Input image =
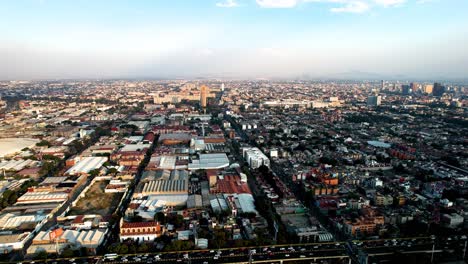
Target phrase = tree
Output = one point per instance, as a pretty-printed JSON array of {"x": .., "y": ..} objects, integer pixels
[
  {"x": 47, "y": 168},
  {"x": 43, "y": 143},
  {"x": 176, "y": 220},
  {"x": 113, "y": 171},
  {"x": 123, "y": 249},
  {"x": 160, "y": 217},
  {"x": 50, "y": 157},
  {"x": 67, "y": 253},
  {"x": 143, "y": 248},
  {"x": 94, "y": 173},
  {"x": 41, "y": 255},
  {"x": 179, "y": 245},
  {"x": 132, "y": 249},
  {"x": 219, "y": 238}
]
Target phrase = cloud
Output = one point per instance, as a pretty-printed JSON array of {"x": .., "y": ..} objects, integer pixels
[
  {"x": 347, "y": 6},
  {"x": 228, "y": 4},
  {"x": 390, "y": 3},
  {"x": 344, "y": 6},
  {"x": 352, "y": 7},
  {"x": 425, "y": 1},
  {"x": 277, "y": 3}
]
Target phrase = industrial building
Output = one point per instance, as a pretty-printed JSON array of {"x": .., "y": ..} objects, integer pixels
[
  {"x": 209, "y": 162},
  {"x": 42, "y": 197},
  {"x": 86, "y": 165}
]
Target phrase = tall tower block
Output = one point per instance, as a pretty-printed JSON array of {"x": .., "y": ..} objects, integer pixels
[{"x": 204, "y": 90}]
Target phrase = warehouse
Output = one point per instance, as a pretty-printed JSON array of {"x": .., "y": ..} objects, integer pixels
[
  {"x": 10, "y": 242},
  {"x": 86, "y": 165},
  {"x": 10, "y": 221},
  {"x": 89, "y": 239},
  {"x": 165, "y": 187},
  {"x": 42, "y": 197},
  {"x": 210, "y": 162},
  {"x": 17, "y": 165}
]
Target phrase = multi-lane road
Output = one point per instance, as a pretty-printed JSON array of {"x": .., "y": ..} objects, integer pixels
[
  {"x": 315, "y": 252},
  {"x": 356, "y": 251}
]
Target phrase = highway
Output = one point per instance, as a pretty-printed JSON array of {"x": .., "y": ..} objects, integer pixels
[
  {"x": 355, "y": 251},
  {"x": 270, "y": 254}
]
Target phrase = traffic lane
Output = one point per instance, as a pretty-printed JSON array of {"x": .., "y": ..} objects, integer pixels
[{"x": 232, "y": 257}]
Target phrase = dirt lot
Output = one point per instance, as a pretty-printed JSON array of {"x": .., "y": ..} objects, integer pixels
[{"x": 97, "y": 201}]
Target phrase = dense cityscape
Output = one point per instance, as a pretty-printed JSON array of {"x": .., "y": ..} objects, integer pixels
[
  {"x": 234, "y": 132},
  {"x": 213, "y": 171}
]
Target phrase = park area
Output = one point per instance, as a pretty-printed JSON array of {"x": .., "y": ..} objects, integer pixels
[{"x": 96, "y": 201}]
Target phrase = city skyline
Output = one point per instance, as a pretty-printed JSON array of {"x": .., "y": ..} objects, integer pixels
[{"x": 371, "y": 39}]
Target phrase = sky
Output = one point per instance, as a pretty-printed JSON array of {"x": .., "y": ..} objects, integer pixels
[{"x": 66, "y": 39}]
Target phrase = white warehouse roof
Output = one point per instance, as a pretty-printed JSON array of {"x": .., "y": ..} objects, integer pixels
[
  {"x": 87, "y": 164},
  {"x": 210, "y": 161}
]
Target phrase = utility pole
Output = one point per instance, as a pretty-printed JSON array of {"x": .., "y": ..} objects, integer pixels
[
  {"x": 464, "y": 249},
  {"x": 432, "y": 254}
]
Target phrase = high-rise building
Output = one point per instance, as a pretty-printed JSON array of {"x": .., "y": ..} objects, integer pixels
[
  {"x": 382, "y": 85},
  {"x": 428, "y": 88},
  {"x": 204, "y": 90},
  {"x": 222, "y": 87},
  {"x": 438, "y": 89},
  {"x": 374, "y": 100},
  {"x": 405, "y": 89},
  {"x": 414, "y": 87}
]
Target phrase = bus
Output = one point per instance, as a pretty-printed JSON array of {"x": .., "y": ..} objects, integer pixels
[{"x": 111, "y": 256}]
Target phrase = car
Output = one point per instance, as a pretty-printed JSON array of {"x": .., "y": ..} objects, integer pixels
[
  {"x": 302, "y": 256},
  {"x": 216, "y": 257},
  {"x": 287, "y": 255}
]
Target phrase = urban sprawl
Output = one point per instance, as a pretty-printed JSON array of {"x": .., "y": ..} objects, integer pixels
[{"x": 213, "y": 171}]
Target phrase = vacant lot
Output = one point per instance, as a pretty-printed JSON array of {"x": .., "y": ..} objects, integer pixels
[{"x": 97, "y": 201}]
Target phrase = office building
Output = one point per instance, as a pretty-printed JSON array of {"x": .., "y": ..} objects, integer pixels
[
  {"x": 204, "y": 90},
  {"x": 414, "y": 87},
  {"x": 405, "y": 89},
  {"x": 438, "y": 89},
  {"x": 428, "y": 88},
  {"x": 374, "y": 100},
  {"x": 255, "y": 157}
]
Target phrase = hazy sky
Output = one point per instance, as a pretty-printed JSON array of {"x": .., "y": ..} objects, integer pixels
[{"x": 42, "y": 39}]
